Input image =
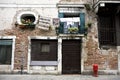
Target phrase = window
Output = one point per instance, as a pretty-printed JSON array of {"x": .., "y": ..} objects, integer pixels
[
  {"x": 5, "y": 51},
  {"x": 43, "y": 50},
  {"x": 75, "y": 19},
  {"x": 70, "y": 23},
  {"x": 45, "y": 47},
  {"x": 107, "y": 31},
  {"x": 27, "y": 17}
]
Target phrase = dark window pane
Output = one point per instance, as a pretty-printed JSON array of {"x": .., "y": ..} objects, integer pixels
[
  {"x": 5, "y": 51},
  {"x": 107, "y": 30},
  {"x": 43, "y": 50}
]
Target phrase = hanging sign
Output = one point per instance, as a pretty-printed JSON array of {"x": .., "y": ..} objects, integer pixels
[{"x": 44, "y": 22}]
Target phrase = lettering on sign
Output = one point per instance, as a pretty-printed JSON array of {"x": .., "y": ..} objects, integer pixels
[{"x": 44, "y": 22}]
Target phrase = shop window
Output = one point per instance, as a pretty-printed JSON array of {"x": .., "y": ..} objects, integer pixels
[{"x": 5, "y": 52}]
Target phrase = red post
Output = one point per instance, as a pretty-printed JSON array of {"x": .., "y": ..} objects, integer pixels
[{"x": 95, "y": 70}]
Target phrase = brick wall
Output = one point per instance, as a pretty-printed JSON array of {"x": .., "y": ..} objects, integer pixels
[
  {"x": 107, "y": 59},
  {"x": 21, "y": 43}
]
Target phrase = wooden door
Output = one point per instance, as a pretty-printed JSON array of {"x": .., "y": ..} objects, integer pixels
[{"x": 71, "y": 57}]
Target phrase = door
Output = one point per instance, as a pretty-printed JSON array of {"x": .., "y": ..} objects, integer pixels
[{"x": 71, "y": 57}]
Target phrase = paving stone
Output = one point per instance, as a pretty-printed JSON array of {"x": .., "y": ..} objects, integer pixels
[{"x": 59, "y": 77}]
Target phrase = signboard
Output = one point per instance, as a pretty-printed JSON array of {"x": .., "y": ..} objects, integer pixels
[
  {"x": 56, "y": 22},
  {"x": 44, "y": 22}
]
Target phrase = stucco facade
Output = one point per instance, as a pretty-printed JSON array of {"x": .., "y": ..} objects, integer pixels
[{"x": 90, "y": 52}]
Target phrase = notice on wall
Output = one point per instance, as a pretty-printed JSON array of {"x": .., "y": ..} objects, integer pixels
[
  {"x": 44, "y": 22},
  {"x": 56, "y": 22}
]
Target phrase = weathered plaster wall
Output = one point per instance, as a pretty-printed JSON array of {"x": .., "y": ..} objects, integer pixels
[
  {"x": 63, "y": 1},
  {"x": 30, "y": 1},
  {"x": 8, "y": 16},
  {"x": 21, "y": 46},
  {"x": 106, "y": 59}
]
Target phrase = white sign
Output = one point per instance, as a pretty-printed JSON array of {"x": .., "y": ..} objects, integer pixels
[{"x": 44, "y": 23}]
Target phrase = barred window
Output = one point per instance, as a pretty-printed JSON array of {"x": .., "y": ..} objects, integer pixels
[{"x": 107, "y": 31}]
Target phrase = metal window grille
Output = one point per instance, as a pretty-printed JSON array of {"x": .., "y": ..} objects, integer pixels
[{"x": 107, "y": 31}]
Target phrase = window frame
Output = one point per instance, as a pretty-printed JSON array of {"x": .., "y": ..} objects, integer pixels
[
  {"x": 42, "y": 63},
  {"x": 5, "y": 44},
  {"x": 11, "y": 66},
  {"x": 105, "y": 39}
]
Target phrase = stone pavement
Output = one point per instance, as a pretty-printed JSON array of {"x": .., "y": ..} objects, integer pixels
[{"x": 58, "y": 77}]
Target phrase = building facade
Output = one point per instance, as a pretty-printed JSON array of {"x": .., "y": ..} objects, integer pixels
[{"x": 59, "y": 36}]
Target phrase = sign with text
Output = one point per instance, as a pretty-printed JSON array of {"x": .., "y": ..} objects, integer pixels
[{"x": 44, "y": 22}]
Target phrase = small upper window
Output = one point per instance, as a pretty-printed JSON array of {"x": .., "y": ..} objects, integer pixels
[{"x": 27, "y": 17}]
